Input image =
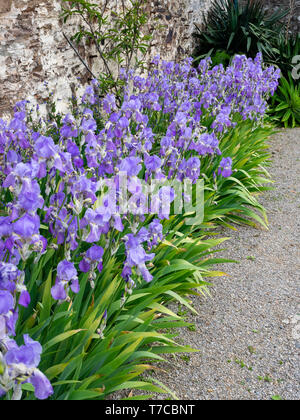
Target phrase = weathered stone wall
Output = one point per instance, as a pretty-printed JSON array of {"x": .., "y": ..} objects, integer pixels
[
  {"x": 33, "y": 50},
  {"x": 177, "y": 18}
]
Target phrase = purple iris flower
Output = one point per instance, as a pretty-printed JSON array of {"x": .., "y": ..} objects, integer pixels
[
  {"x": 24, "y": 299},
  {"x": 136, "y": 254},
  {"x": 89, "y": 96},
  {"x": 5, "y": 226},
  {"x": 30, "y": 198},
  {"x": 225, "y": 168},
  {"x": 72, "y": 148},
  {"x": 28, "y": 357},
  {"x": 45, "y": 147},
  {"x": 58, "y": 291},
  {"x": 109, "y": 103},
  {"x": 88, "y": 124},
  {"x": 42, "y": 385},
  {"x": 153, "y": 163},
  {"x": 123, "y": 123},
  {"x": 155, "y": 232},
  {"x": 93, "y": 256},
  {"x": 11, "y": 321},
  {"x": 6, "y": 302},
  {"x": 66, "y": 274},
  {"x": 66, "y": 271},
  {"x": 131, "y": 165},
  {"x": 27, "y": 225},
  {"x": 28, "y": 354},
  {"x": 145, "y": 273},
  {"x": 193, "y": 168},
  {"x": 9, "y": 274}
]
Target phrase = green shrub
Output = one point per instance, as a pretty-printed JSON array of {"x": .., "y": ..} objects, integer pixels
[
  {"x": 285, "y": 105},
  {"x": 285, "y": 49},
  {"x": 88, "y": 355},
  {"x": 238, "y": 28},
  {"x": 234, "y": 199}
]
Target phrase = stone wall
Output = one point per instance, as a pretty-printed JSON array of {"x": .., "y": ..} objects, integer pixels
[
  {"x": 35, "y": 58},
  {"x": 177, "y": 18}
]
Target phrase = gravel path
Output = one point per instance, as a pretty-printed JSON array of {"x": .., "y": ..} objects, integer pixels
[{"x": 248, "y": 333}]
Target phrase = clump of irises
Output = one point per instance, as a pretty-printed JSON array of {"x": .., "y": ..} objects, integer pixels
[{"x": 61, "y": 183}]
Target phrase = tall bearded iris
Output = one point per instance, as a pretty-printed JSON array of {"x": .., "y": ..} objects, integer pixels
[{"x": 66, "y": 279}]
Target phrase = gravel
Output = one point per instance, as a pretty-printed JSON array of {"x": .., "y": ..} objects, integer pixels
[{"x": 248, "y": 331}]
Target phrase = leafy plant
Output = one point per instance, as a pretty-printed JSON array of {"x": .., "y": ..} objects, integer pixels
[
  {"x": 277, "y": 398},
  {"x": 88, "y": 355},
  {"x": 285, "y": 105},
  {"x": 85, "y": 282},
  {"x": 237, "y": 27},
  {"x": 286, "y": 48},
  {"x": 116, "y": 36}
]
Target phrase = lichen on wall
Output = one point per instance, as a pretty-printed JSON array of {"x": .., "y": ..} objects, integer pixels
[{"x": 36, "y": 60}]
